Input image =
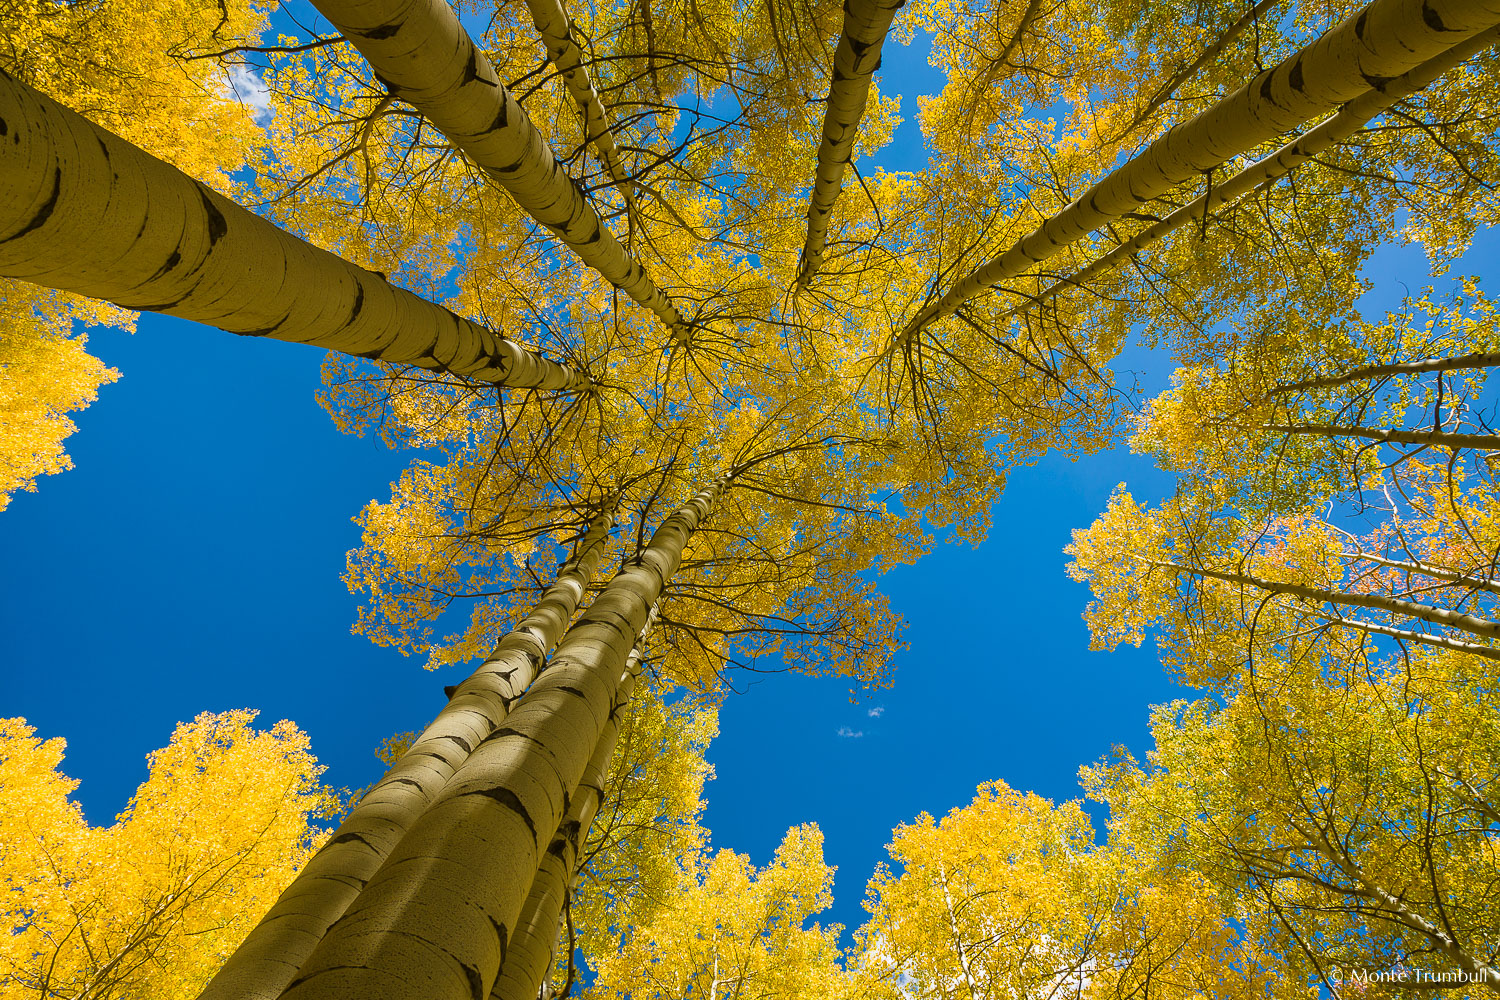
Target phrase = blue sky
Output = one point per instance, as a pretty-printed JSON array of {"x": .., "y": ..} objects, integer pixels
[{"x": 191, "y": 563}]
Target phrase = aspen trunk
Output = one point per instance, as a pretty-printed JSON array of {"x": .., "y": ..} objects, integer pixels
[
  {"x": 435, "y": 920},
  {"x": 1397, "y": 911},
  {"x": 532, "y": 949},
  {"x": 866, "y": 23},
  {"x": 958, "y": 940},
  {"x": 1482, "y": 627},
  {"x": 427, "y": 59},
  {"x": 269, "y": 958},
  {"x": 1350, "y": 119},
  {"x": 85, "y": 211},
  {"x": 556, "y": 28},
  {"x": 1420, "y": 638},
  {"x": 1385, "y": 39},
  {"x": 1440, "y": 439},
  {"x": 1428, "y": 569},
  {"x": 1485, "y": 360}
]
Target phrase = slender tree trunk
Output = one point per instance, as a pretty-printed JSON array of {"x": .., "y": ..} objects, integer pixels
[
  {"x": 427, "y": 59},
  {"x": 1428, "y": 569},
  {"x": 1350, "y": 119},
  {"x": 1440, "y": 439},
  {"x": 1461, "y": 361},
  {"x": 532, "y": 948},
  {"x": 958, "y": 941},
  {"x": 85, "y": 211},
  {"x": 435, "y": 920},
  {"x": 1420, "y": 638},
  {"x": 1395, "y": 909},
  {"x": 866, "y": 23},
  {"x": 556, "y": 28},
  {"x": 1482, "y": 627},
  {"x": 1385, "y": 39},
  {"x": 269, "y": 958}
]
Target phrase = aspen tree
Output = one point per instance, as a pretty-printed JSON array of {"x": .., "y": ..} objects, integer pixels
[
  {"x": 1009, "y": 895},
  {"x": 1349, "y": 119},
  {"x": 555, "y": 27},
  {"x": 1483, "y": 359},
  {"x": 732, "y": 930},
  {"x": 427, "y": 59},
  {"x": 866, "y": 23},
  {"x": 269, "y": 958},
  {"x": 1389, "y": 436},
  {"x": 531, "y": 950},
  {"x": 649, "y": 821},
  {"x": 127, "y": 74},
  {"x": 147, "y": 905},
  {"x": 1303, "y": 409},
  {"x": 1286, "y": 581},
  {"x": 1386, "y": 39},
  {"x": 435, "y": 920},
  {"x": 46, "y": 374},
  {"x": 1344, "y": 801},
  {"x": 85, "y": 211}
]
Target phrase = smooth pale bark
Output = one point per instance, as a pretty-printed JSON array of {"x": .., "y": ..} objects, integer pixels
[
  {"x": 958, "y": 940},
  {"x": 1456, "y": 363},
  {"x": 1428, "y": 569},
  {"x": 533, "y": 945},
  {"x": 426, "y": 58},
  {"x": 556, "y": 28},
  {"x": 866, "y": 23},
  {"x": 1482, "y": 627},
  {"x": 1384, "y": 40},
  {"x": 1396, "y": 910},
  {"x": 1422, "y": 639},
  {"x": 435, "y": 921},
  {"x": 85, "y": 211},
  {"x": 1437, "y": 439},
  {"x": 270, "y": 957},
  {"x": 1350, "y": 119}
]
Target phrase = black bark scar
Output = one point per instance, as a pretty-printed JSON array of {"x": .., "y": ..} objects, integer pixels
[
  {"x": 172, "y": 262},
  {"x": 45, "y": 212},
  {"x": 509, "y": 800},
  {"x": 217, "y": 226},
  {"x": 345, "y": 838}
]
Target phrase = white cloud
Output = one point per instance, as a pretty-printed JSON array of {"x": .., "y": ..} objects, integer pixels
[
  {"x": 249, "y": 89},
  {"x": 850, "y": 734},
  {"x": 876, "y": 712}
]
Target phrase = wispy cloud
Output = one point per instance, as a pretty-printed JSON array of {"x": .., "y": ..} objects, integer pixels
[
  {"x": 876, "y": 712},
  {"x": 850, "y": 734},
  {"x": 251, "y": 91}
]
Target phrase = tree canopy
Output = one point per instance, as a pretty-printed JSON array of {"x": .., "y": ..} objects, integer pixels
[{"x": 681, "y": 365}]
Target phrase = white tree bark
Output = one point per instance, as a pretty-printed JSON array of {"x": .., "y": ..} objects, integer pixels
[
  {"x": 1384, "y": 40},
  {"x": 436, "y": 919},
  {"x": 269, "y": 958},
  {"x": 427, "y": 59},
  {"x": 85, "y": 211},
  {"x": 866, "y": 23},
  {"x": 555, "y": 27},
  {"x": 532, "y": 948},
  {"x": 1350, "y": 119}
]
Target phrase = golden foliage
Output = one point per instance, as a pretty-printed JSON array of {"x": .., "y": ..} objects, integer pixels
[{"x": 150, "y": 905}]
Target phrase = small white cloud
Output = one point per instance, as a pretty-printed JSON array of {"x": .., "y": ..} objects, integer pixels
[
  {"x": 250, "y": 90},
  {"x": 850, "y": 734},
  {"x": 876, "y": 712}
]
